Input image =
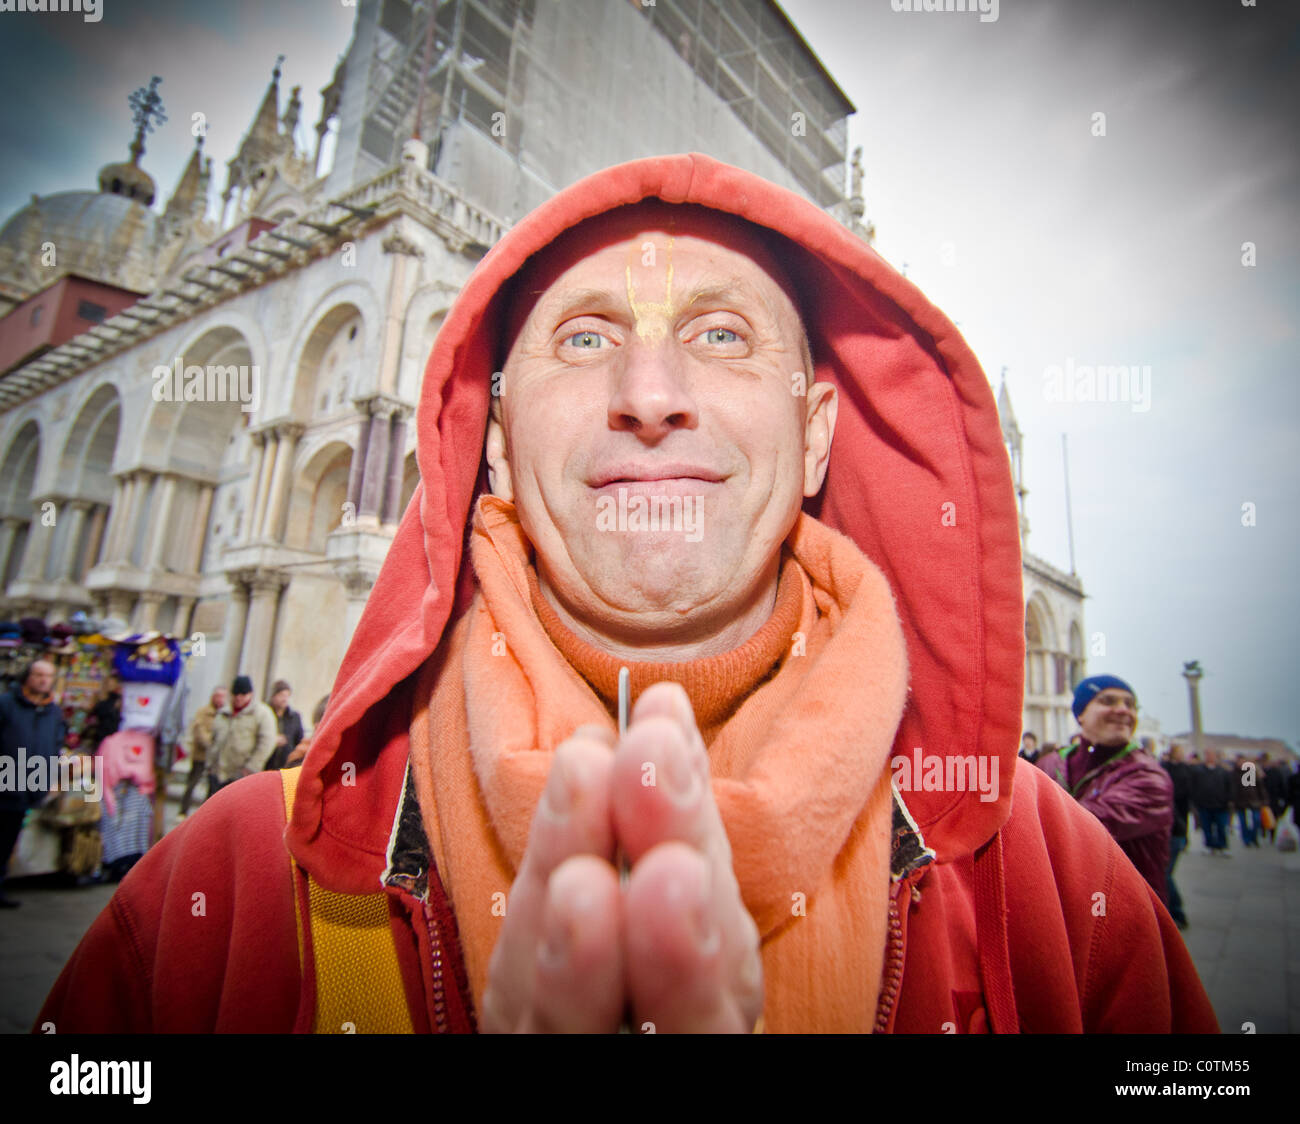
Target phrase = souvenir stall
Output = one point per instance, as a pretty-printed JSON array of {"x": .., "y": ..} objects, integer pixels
[{"x": 114, "y": 824}]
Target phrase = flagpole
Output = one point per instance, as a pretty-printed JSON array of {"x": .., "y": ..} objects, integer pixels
[{"x": 1069, "y": 519}]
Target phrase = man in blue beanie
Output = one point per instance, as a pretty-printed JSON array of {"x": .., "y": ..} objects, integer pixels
[{"x": 1117, "y": 780}]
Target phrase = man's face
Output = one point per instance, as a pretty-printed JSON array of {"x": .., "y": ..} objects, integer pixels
[
  {"x": 664, "y": 372},
  {"x": 1110, "y": 718},
  {"x": 219, "y": 697},
  {"x": 280, "y": 700},
  {"x": 243, "y": 700},
  {"x": 40, "y": 679},
  {"x": 1029, "y": 743}
]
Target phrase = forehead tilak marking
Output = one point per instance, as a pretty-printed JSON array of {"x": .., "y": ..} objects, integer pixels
[{"x": 651, "y": 319}]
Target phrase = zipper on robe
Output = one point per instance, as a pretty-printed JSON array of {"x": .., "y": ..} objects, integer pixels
[
  {"x": 435, "y": 950},
  {"x": 892, "y": 977}
]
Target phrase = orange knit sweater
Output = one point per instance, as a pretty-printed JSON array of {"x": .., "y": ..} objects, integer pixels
[{"x": 798, "y": 758}]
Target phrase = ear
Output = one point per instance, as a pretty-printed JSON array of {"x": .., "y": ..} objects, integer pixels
[
  {"x": 494, "y": 449},
  {"x": 823, "y": 408}
]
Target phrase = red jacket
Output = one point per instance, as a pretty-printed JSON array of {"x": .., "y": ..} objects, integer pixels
[{"x": 1005, "y": 914}]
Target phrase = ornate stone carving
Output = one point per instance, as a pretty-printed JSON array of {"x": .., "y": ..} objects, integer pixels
[{"x": 397, "y": 242}]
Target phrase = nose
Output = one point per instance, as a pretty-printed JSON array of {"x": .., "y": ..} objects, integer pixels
[{"x": 650, "y": 397}]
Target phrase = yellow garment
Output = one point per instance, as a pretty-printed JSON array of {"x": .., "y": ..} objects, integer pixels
[{"x": 358, "y": 978}]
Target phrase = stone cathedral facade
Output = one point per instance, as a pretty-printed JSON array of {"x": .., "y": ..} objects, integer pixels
[
  {"x": 1055, "y": 651},
  {"x": 206, "y": 404}
]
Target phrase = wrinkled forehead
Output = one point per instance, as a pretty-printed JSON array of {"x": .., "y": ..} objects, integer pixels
[{"x": 614, "y": 228}]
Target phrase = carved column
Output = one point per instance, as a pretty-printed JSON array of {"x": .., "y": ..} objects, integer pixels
[
  {"x": 159, "y": 523},
  {"x": 39, "y": 540},
  {"x": 406, "y": 257},
  {"x": 255, "y": 481},
  {"x": 358, "y": 581},
  {"x": 124, "y": 527},
  {"x": 262, "y": 495},
  {"x": 357, "y": 469},
  {"x": 94, "y": 539},
  {"x": 286, "y": 436},
  {"x": 116, "y": 517},
  {"x": 140, "y": 504},
  {"x": 118, "y": 604},
  {"x": 202, "y": 513},
  {"x": 391, "y": 511},
  {"x": 146, "y": 611},
  {"x": 9, "y": 527},
  {"x": 69, "y": 561},
  {"x": 264, "y": 596},
  {"x": 184, "y": 609},
  {"x": 376, "y": 468},
  {"x": 235, "y": 621}
]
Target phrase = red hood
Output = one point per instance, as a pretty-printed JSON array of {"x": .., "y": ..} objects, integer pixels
[{"x": 919, "y": 479}]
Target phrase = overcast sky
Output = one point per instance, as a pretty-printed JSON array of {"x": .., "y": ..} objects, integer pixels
[
  {"x": 1067, "y": 247},
  {"x": 1051, "y": 247}
]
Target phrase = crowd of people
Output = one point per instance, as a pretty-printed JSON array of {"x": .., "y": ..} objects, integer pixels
[
  {"x": 234, "y": 735},
  {"x": 230, "y": 736},
  {"x": 1119, "y": 780}
]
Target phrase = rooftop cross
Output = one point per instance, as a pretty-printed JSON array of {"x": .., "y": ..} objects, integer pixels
[{"x": 145, "y": 104}]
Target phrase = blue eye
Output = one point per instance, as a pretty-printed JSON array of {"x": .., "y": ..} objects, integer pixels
[
  {"x": 586, "y": 341},
  {"x": 713, "y": 334}
]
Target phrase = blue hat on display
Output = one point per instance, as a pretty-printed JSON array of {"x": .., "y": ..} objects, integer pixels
[{"x": 1090, "y": 688}]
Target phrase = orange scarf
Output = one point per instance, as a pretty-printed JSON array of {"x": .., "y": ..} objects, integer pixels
[{"x": 800, "y": 767}]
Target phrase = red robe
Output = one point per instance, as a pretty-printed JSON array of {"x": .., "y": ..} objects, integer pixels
[{"x": 1006, "y": 913}]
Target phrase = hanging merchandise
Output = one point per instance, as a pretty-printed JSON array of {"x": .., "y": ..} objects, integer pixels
[
  {"x": 149, "y": 658},
  {"x": 126, "y": 824},
  {"x": 147, "y": 666},
  {"x": 127, "y": 756},
  {"x": 143, "y": 705}
]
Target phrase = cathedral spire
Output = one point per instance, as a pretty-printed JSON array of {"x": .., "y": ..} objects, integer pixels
[
  {"x": 189, "y": 200},
  {"x": 264, "y": 143},
  {"x": 266, "y": 130},
  {"x": 330, "y": 96},
  {"x": 1015, "y": 447},
  {"x": 289, "y": 122}
]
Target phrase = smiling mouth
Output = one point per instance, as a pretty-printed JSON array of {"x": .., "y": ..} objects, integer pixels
[
  {"x": 668, "y": 475},
  {"x": 667, "y": 486}
]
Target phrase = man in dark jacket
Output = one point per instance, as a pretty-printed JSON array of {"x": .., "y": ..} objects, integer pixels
[
  {"x": 31, "y": 726},
  {"x": 1275, "y": 776},
  {"x": 1117, "y": 780},
  {"x": 1247, "y": 795},
  {"x": 1180, "y": 776},
  {"x": 106, "y": 714},
  {"x": 1211, "y": 793},
  {"x": 288, "y": 723}
]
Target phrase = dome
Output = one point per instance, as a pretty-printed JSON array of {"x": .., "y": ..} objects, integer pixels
[
  {"x": 128, "y": 179},
  {"x": 106, "y": 237}
]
